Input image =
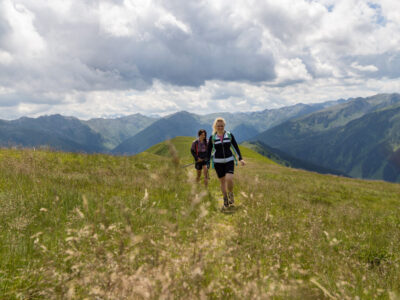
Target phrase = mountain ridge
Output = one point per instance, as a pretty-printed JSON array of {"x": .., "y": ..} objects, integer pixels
[
  {"x": 350, "y": 147},
  {"x": 55, "y": 131},
  {"x": 178, "y": 124},
  {"x": 290, "y": 129}
]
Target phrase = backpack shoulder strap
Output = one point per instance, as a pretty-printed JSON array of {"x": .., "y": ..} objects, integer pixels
[
  {"x": 235, "y": 155},
  {"x": 213, "y": 138},
  {"x": 229, "y": 135}
]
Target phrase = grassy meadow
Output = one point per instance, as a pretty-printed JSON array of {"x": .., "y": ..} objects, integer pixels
[{"x": 78, "y": 226}]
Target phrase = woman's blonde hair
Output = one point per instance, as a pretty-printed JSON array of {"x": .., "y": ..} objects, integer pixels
[{"x": 219, "y": 119}]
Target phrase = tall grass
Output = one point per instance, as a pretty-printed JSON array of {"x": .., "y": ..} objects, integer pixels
[{"x": 75, "y": 226}]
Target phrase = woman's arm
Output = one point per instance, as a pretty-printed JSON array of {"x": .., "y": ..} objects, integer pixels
[
  {"x": 209, "y": 148},
  {"x": 235, "y": 145},
  {"x": 193, "y": 151}
]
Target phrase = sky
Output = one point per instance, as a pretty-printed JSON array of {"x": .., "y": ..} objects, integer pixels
[{"x": 109, "y": 58}]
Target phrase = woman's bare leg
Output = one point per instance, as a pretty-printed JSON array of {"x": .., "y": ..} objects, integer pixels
[
  {"x": 229, "y": 182},
  {"x": 198, "y": 176},
  {"x": 205, "y": 171},
  {"x": 223, "y": 186}
]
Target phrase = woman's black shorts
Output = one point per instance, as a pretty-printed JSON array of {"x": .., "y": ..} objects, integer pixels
[
  {"x": 199, "y": 165},
  {"x": 224, "y": 168}
]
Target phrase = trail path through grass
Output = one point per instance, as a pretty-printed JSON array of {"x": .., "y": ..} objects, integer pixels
[{"x": 220, "y": 221}]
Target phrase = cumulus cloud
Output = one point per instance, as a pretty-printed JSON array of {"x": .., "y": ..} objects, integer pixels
[
  {"x": 93, "y": 57},
  {"x": 368, "y": 68}
]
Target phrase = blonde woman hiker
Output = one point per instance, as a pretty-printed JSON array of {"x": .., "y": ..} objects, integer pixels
[
  {"x": 199, "y": 151},
  {"x": 223, "y": 152}
]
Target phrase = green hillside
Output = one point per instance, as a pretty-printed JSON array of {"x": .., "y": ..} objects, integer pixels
[
  {"x": 287, "y": 160},
  {"x": 76, "y": 226},
  {"x": 182, "y": 146},
  {"x": 359, "y": 138}
]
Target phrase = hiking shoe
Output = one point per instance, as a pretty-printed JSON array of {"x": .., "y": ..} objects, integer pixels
[
  {"x": 226, "y": 202},
  {"x": 231, "y": 198}
]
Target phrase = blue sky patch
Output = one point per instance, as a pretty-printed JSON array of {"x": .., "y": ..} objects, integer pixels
[{"x": 379, "y": 18}]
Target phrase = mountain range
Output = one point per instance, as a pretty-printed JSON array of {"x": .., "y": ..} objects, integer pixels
[
  {"x": 178, "y": 124},
  {"x": 287, "y": 160},
  {"x": 134, "y": 133},
  {"x": 55, "y": 131},
  {"x": 360, "y": 137},
  {"x": 357, "y": 137},
  {"x": 115, "y": 131}
]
